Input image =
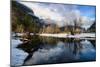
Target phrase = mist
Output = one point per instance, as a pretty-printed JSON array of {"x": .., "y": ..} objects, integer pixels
[{"x": 61, "y": 14}]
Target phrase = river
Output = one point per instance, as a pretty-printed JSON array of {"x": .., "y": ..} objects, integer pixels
[{"x": 51, "y": 50}]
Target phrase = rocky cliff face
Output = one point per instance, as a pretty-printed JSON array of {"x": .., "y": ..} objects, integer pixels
[
  {"x": 92, "y": 28},
  {"x": 23, "y": 18}
]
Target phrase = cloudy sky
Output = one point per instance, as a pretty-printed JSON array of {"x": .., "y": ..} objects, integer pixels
[{"x": 63, "y": 14}]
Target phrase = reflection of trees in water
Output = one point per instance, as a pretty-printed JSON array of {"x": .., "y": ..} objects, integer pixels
[
  {"x": 49, "y": 40},
  {"x": 77, "y": 47},
  {"x": 37, "y": 42},
  {"x": 74, "y": 45}
]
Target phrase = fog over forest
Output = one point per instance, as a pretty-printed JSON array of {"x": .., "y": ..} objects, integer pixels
[{"x": 62, "y": 14}]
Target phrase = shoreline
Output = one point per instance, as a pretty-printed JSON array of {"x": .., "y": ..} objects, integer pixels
[{"x": 63, "y": 35}]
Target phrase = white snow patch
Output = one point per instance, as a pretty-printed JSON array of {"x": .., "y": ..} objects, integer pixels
[
  {"x": 64, "y": 35},
  {"x": 17, "y": 56}
]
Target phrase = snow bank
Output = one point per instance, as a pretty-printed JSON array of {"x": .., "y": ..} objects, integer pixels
[
  {"x": 53, "y": 35},
  {"x": 20, "y": 34},
  {"x": 63, "y": 35}
]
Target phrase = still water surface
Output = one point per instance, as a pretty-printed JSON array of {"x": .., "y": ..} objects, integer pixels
[{"x": 49, "y": 50}]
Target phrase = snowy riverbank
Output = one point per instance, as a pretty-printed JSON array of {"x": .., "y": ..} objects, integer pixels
[{"x": 62, "y": 35}]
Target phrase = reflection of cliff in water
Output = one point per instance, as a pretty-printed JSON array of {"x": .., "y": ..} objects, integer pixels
[
  {"x": 43, "y": 50},
  {"x": 93, "y": 43}
]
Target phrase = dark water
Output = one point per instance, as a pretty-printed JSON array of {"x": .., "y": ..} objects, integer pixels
[{"x": 49, "y": 50}]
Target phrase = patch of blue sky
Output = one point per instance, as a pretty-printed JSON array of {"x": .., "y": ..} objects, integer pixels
[{"x": 88, "y": 11}]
